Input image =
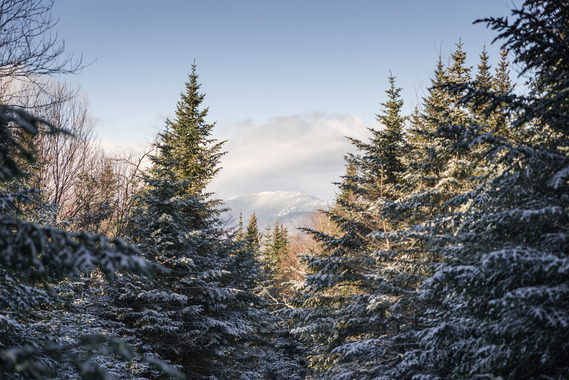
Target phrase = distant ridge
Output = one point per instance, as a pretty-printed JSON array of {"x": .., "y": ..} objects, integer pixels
[{"x": 291, "y": 208}]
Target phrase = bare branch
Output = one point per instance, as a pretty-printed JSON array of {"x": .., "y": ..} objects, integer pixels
[{"x": 28, "y": 50}]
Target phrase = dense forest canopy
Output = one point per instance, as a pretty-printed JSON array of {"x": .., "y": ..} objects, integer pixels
[{"x": 445, "y": 254}]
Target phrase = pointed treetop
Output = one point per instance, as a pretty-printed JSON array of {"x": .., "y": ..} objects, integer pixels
[
  {"x": 484, "y": 78},
  {"x": 391, "y": 114},
  {"x": 186, "y": 146},
  {"x": 458, "y": 71},
  {"x": 252, "y": 235},
  {"x": 440, "y": 75},
  {"x": 502, "y": 82}
]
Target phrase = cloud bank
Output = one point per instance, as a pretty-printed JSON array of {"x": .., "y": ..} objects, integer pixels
[{"x": 289, "y": 153}]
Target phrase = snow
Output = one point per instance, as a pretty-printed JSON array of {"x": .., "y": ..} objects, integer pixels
[{"x": 288, "y": 207}]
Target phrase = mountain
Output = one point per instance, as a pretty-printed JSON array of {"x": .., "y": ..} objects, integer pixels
[{"x": 292, "y": 208}]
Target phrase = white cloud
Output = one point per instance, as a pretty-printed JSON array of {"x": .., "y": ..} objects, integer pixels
[
  {"x": 120, "y": 148},
  {"x": 288, "y": 153},
  {"x": 131, "y": 151},
  {"x": 291, "y": 153}
]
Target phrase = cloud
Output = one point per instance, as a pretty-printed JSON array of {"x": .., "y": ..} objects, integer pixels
[
  {"x": 120, "y": 148},
  {"x": 290, "y": 153}
]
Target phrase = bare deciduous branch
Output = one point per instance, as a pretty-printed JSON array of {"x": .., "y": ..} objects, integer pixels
[{"x": 28, "y": 51}]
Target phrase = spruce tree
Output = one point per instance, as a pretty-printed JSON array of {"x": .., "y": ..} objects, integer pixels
[
  {"x": 197, "y": 315},
  {"x": 276, "y": 247},
  {"x": 484, "y": 81},
  {"x": 434, "y": 172},
  {"x": 189, "y": 139},
  {"x": 339, "y": 304},
  {"x": 41, "y": 335},
  {"x": 500, "y": 298},
  {"x": 501, "y": 86},
  {"x": 502, "y": 83},
  {"x": 274, "y": 257},
  {"x": 381, "y": 163},
  {"x": 425, "y": 162},
  {"x": 252, "y": 235},
  {"x": 426, "y": 174}
]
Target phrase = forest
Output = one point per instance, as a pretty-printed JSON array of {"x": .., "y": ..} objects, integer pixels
[{"x": 444, "y": 256}]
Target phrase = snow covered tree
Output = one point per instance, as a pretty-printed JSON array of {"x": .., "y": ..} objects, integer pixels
[
  {"x": 500, "y": 298},
  {"x": 201, "y": 314},
  {"x": 276, "y": 247},
  {"x": 422, "y": 175},
  {"x": 430, "y": 171},
  {"x": 252, "y": 235},
  {"x": 437, "y": 169},
  {"x": 189, "y": 139},
  {"x": 34, "y": 256},
  {"x": 338, "y": 305}
]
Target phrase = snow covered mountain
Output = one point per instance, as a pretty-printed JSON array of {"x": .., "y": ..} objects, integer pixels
[{"x": 292, "y": 208}]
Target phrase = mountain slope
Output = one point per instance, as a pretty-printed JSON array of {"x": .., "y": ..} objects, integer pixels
[{"x": 291, "y": 208}]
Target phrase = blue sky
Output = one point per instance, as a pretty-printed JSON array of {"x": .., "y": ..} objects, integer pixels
[{"x": 284, "y": 80}]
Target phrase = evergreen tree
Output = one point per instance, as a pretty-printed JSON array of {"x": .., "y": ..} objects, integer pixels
[
  {"x": 500, "y": 298},
  {"x": 189, "y": 139},
  {"x": 198, "y": 315},
  {"x": 253, "y": 236},
  {"x": 277, "y": 247},
  {"x": 339, "y": 303},
  {"x": 39, "y": 336},
  {"x": 501, "y": 86},
  {"x": 275, "y": 256},
  {"x": 431, "y": 172},
  {"x": 423, "y": 178},
  {"x": 502, "y": 83},
  {"x": 437, "y": 168},
  {"x": 484, "y": 81},
  {"x": 425, "y": 162},
  {"x": 348, "y": 186},
  {"x": 240, "y": 235}
]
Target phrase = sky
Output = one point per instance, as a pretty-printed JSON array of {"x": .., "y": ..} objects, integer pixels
[{"x": 285, "y": 81}]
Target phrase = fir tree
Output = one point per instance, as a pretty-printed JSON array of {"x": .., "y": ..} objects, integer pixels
[
  {"x": 501, "y": 86},
  {"x": 347, "y": 188},
  {"x": 424, "y": 178},
  {"x": 434, "y": 171},
  {"x": 381, "y": 165},
  {"x": 484, "y": 81},
  {"x": 339, "y": 304},
  {"x": 252, "y": 235},
  {"x": 425, "y": 164},
  {"x": 500, "y": 296},
  {"x": 240, "y": 235},
  {"x": 275, "y": 256},
  {"x": 189, "y": 139},
  {"x": 277, "y": 247},
  {"x": 39, "y": 336},
  {"x": 502, "y": 83},
  {"x": 198, "y": 315}
]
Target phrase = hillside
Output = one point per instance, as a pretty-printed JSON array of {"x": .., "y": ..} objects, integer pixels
[{"x": 290, "y": 208}]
